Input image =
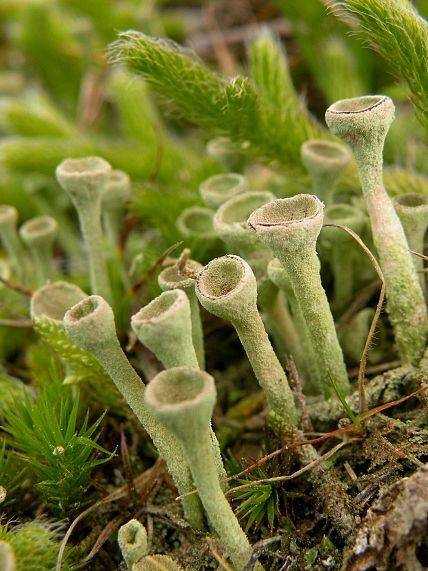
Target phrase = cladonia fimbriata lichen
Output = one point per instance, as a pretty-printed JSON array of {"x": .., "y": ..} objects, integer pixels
[
  {"x": 54, "y": 299},
  {"x": 290, "y": 227},
  {"x": 39, "y": 235},
  {"x": 325, "y": 161},
  {"x": 84, "y": 181},
  {"x": 132, "y": 539},
  {"x": 196, "y": 223},
  {"x": 230, "y": 224},
  {"x": 171, "y": 278},
  {"x": 412, "y": 209},
  {"x": 90, "y": 324},
  {"x": 10, "y": 240},
  {"x": 305, "y": 356},
  {"x": 165, "y": 327},
  {"x": 116, "y": 193},
  {"x": 227, "y": 288},
  {"x": 183, "y": 400},
  {"x": 363, "y": 123},
  {"x": 216, "y": 189},
  {"x": 342, "y": 248}
]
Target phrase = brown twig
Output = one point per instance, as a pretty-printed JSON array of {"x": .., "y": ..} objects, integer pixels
[
  {"x": 296, "y": 474},
  {"x": 156, "y": 264},
  {"x": 16, "y": 323},
  {"x": 16, "y": 287},
  {"x": 363, "y": 360}
]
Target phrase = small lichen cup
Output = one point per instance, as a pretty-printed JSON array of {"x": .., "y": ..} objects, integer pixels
[
  {"x": 325, "y": 161},
  {"x": 218, "y": 188},
  {"x": 132, "y": 539},
  {"x": 10, "y": 240},
  {"x": 164, "y": 326},
  {"x": 183, "y": 400},
  {"x": 84, "y": 180},
  {"x": 412, "y": 209},
  {"x": 230, "y": 224},
  {"x": 290, "y": 228},
  {"x": 39, "y": 235},
  {"x": 170, "y": 278},
  {"x": 116, "y": 194},
  {"x": 363, "y": 123}
]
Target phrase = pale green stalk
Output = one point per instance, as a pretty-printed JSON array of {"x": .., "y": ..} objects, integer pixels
[
  {"x": 84, "y": 181},
  {"x": 325, "y": 161},
  {"x": 183, "y": 400},
  {"x": 412, "y": 209},
  {"x": 170, "y": 278},
  {"x": 343, "y": 249},
  {"x": 227, "y": 288},
  {"x": 10, "y": 240},
  {"x": 363, "y": 123},
  {"x": 306, "y": 361},
  {"x": 39, "y": 235},
  {"x": 90, "y": 324},
  {"x": 290, "y": 227},
  {"x": 218, "y": 188},
  {"x": 117, "y": 192}
]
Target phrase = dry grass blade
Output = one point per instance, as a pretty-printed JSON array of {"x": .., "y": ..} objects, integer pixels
[
  {"x": 221, "y": 561},
  {"x": 363, "y": 360},
  {"x": 296, "y": 474},
  {"x": 152, "y": 269}
]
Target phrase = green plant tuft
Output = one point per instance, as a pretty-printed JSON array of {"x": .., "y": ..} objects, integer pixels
[{"x": 60, "y": 451}]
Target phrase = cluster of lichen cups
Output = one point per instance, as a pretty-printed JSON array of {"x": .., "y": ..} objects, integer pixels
[{"x": 273, "y": 264}]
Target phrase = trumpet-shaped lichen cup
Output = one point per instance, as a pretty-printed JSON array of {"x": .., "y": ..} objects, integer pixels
[
  {"x": 227, "y": 288},
  {"x": 170, "y": 278},
  {"x": 290, "y": 228},
  {"x": 90, "y": 324},
  {"x": 325, "y": 161},
  {"x": 183, "y": 400},
  {"x": 39, "y": 235},
  {"x": 165, "y": 327},
  {"x": 218, "y": 188},
  {"x": 412, "y": 209},
  {"x": 10, "y": 240},
  {"x": 116, "y": 194},
  {"x": 84, "y": 180},
  {"x": 230, "y": 224},
  {"x": 363, "y": 123}
]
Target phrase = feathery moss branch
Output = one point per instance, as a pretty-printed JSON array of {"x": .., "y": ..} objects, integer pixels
[
  {"x": 244, "y": 111},
  {"x": 284, "y": 121},
  {"x": 400, "y": 35}
]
